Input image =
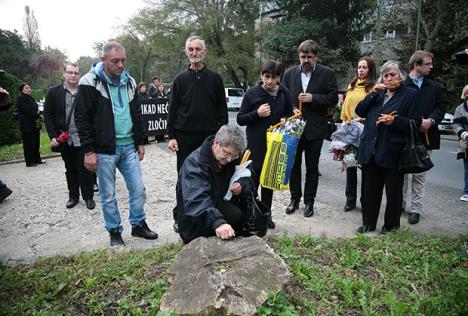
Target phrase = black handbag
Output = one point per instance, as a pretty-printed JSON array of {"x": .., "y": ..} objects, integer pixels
[
  {"x": 255, "y": 216},
  {"x": 414, "y": 157}
]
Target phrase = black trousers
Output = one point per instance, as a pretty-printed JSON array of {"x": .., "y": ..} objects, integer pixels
[
  {"x": 375, "y": 179},
  {"x": 187, "y": 143},
  {"x": 351, "y": 187},
  {"x": 78, "y": 177},
  {"x": 266, "y": 195},
  {"x": 312, "y": 150},
  {"x": 31, "y": 142},
  {"x": 231, "y": 213}
]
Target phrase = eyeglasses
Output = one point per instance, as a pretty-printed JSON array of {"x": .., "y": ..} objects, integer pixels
[
  {"x": 228, "y": 154},
  {"x": 76, "y": 73}
]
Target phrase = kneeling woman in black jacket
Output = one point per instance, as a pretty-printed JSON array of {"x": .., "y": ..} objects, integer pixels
[
  {"x": 382, "y": 141},
  {"x": 263, "y": 106},
  {"x": 204, "y": 179}
]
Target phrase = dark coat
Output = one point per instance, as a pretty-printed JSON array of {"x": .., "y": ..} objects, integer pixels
[
  {"x": 280, "y": 106},
  {"x": 324, "y": 88},
  {"x": 200, "y": 188},
  {"x": 28, "y": 113},
  {"x": 433, "y": 106},
  {"x": 55, "y": 111},
  {"x": 385, "y": 142}
]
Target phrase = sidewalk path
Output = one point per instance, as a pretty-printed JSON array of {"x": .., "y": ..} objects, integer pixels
[{"x": 35, "y": 223}]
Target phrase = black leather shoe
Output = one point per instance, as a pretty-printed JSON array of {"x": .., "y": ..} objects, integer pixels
[
  {"x": 348, "y": 208},
  {"x": 385, "y": 230},
  {"x": 41, "y": 162},
  {"x": 292, "y": 207},
  {"x": 71, "y": 203},
  {"x": 365, "y": 228},
  {"x": 413, "y": 218},
  {"x": 309, "y": 210},
  {"x": 142, "y": 230},
  {"x": 4, "y": 194},
  {"x": 175, "y": 227},
  {"x": 115, "y": 238},
  {"x": 90, "y": 204},
  {"x": 31, "y": 165}
]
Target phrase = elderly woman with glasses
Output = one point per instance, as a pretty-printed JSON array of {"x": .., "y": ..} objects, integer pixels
[
  {"x": 204, "y": 179},
  {"x": 387, "y": 112}
]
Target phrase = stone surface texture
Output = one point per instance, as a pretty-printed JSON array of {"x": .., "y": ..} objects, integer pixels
[{"x": 223, "y": 277}]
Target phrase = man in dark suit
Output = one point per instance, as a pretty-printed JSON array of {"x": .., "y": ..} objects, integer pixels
[
  {"x": 433, "y": 109},
  {"x": 59, "y": 113},
  {"x": 314, "y": 87}
]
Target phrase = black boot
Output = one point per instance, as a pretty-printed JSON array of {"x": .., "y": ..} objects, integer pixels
[
  {"x": 292, "y": 207},
  {"x": 309, "y": 210},
  {"x": 72, "y": 202},
  {"x": 115, "y": 238},
  {"x": 271, "y": 224},
  {"x": 365, "y": 228},
  {"x": 142, "y": 230}
]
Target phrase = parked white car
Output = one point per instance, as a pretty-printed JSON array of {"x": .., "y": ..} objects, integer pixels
[
  {"x": 446, "y": 125},
  {"x": 234, "y": 97}
]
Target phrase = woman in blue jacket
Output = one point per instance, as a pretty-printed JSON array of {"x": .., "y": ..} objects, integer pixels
[
  {"x": 382, "y": 141},
  {"x": 263, "y": 106}
]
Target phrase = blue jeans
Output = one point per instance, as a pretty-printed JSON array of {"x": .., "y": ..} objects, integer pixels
[
  {"x": 465, "y": 162},
  {"x": 126, "y": 160}
]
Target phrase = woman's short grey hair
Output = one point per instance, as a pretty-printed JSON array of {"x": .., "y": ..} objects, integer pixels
[
  {"x": 195, "y": 37},
  {"x": 391, "y": 64},
  {"x": 231, "y": 135}
]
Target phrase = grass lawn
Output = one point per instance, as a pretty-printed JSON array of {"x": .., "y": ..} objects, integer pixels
[
  {"x": 12, "y": 152},
  {"x": 398, "y": 274}
]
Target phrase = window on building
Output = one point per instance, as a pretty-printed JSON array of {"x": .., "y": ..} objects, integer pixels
[
  {"x": 390, "y": 34},
  {"x": 367, "y": 38}
]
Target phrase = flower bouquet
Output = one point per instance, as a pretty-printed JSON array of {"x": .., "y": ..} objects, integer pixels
[{"x": 345, "y": 143}]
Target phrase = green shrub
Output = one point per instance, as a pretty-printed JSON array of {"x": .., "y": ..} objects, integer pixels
[
  {"x": 37, "y": 94},
  {"x": 10, "y": 133}
]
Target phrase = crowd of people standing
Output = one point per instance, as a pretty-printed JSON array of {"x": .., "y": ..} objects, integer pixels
[{"x": 101, "y": 117}]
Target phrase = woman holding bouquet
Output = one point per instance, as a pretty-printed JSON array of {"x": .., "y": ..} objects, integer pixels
[
  {"x": 388, "y": 110},
  {"x": 362, "y": 84},
  {"x": 29, "y": 125},
  {"x": 263, "y": 106}
]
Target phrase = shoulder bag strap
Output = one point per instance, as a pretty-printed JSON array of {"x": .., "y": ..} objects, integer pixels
[
  {"x": 412, "y": 124},
  {"x": 72, "y": 109}
]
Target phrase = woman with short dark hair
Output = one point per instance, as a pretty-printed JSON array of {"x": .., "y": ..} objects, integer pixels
[
  {"x": 263, "y": 106},
  {"x": 28, "y": 123},
  {"x": 142, "y": 91}
]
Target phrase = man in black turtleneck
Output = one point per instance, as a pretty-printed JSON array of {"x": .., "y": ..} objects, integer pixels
[{"x": 198, "y": 105}]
